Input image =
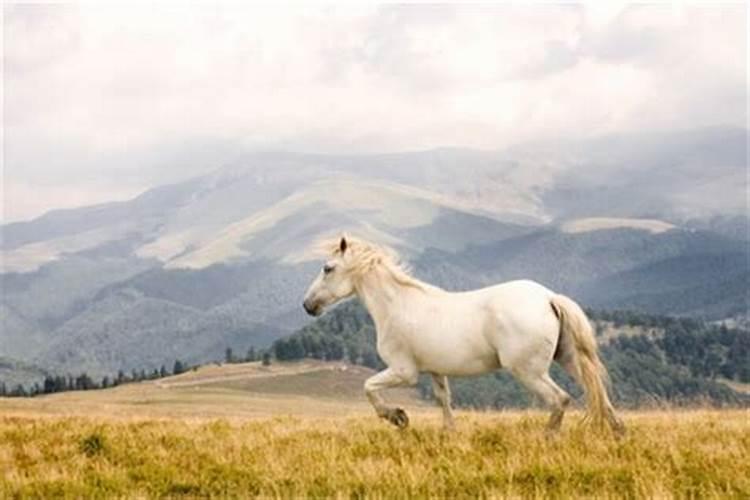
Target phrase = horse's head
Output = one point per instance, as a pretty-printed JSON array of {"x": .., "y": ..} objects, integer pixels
[{"x": 333, "y": 283}]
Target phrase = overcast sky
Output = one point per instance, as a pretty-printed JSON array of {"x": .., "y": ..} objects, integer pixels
[{"x": 102, "y": 102}]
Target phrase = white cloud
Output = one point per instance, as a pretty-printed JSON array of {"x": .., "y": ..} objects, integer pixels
[{"x": 98, "y": 96}]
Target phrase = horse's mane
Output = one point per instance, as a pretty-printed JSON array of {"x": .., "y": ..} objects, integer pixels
[{"x": 364, "y": 256}]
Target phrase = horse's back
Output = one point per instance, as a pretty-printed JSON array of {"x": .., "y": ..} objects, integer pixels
[
  {"x": 514, "y": 294},
  {"x": 525, "y": 286}
]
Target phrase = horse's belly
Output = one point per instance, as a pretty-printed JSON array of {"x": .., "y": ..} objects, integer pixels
[
  {"x": 468, "y": 367},
  {"x": 457, "y": 359}
]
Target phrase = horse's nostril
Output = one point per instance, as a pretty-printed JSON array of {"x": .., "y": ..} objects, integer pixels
[{"x": 308, "y": 309}]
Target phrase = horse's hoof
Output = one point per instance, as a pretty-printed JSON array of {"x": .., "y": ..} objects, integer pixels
[{"x": 399, "y": 418}]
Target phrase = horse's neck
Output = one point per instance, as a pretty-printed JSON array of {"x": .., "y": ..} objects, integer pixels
[{"x": 383, "y": 299}]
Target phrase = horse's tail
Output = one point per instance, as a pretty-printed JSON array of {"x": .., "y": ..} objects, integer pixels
[{"x": 591, "y": 372}]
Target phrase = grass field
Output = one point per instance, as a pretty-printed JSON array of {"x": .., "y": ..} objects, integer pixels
[{"x": 218, "y": 433}]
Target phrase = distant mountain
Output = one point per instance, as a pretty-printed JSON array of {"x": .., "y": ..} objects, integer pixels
[
  {"x": 692, "y": 175},
  {"x": 651, "y": 222},
  {"x": 158, "y": 315},
  {"x": 673, "y": 176},
  {"x": 406, "y": 217},
  {"x": 678, "y": 271}
]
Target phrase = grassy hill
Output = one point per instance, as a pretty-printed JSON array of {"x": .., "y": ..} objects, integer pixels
[
  {"x": 300, "y": 388},
  {"x": 304, "y": 429}
]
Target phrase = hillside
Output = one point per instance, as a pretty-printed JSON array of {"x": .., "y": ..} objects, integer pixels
[
  {"x": 14, "y": 372},
  {"x": 678, "y": 271},
  {"x": 300, "y": 388}
]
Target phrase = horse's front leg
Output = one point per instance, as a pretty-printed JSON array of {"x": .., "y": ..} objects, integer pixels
[
  {"x": 442, "y": 392},
  {"x": 390, "y": 377}
]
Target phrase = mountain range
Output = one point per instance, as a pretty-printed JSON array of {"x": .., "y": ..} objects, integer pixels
[{"x": 651, "y": 222}]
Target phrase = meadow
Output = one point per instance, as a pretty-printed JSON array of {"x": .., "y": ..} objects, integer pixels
[
  {"x": 698, "y": 454},
  {"x": 305, "y": 430}
]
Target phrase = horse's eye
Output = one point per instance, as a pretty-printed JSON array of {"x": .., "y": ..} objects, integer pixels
[{"x": 327, "y": 269}]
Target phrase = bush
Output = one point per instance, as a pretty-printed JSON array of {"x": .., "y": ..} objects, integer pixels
[{"x": 92, "y": 445}]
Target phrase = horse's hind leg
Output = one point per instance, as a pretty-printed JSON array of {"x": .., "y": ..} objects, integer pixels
[
  {"x": 442, "y": 392},
  {"x": 551, "y": 393}
]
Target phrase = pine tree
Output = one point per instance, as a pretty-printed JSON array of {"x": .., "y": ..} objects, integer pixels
[
  {"x": 178, "y": 367},
  {"x": 48, "y": 385},
  {"x": 61, "y": 384},
  {"x": 251, "y": 354},
  {"x": 84, "y": 382}
]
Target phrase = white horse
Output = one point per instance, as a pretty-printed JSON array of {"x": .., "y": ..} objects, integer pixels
[{"x": 518, "y": 325}]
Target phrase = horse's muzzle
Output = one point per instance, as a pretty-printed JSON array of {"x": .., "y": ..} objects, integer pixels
[{"x": 312, "y": 310}]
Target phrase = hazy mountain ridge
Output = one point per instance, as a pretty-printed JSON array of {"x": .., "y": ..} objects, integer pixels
[
  {"x": 162, "y": 314},
  {"x": 641, "y": 175},
  {"x": 224, "y": 257},
  {"x": 566, "y": 260}
]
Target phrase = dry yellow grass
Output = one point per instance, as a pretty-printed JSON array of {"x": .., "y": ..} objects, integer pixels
[
  {"x": 700, "y": 454},
  {"x": 305, "y": 429}
]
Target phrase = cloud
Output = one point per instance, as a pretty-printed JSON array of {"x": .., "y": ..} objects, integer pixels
[{"x": 134, "y": 95}]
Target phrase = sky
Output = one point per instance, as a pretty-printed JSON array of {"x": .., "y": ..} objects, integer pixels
[{"x": 102, "y": 101}]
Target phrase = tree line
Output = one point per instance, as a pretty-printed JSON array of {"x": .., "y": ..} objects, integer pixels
[
  {"x": 347, "y": 333},
  {"x": 83, "y": 382},
  {"x": 252, "y": 354}
]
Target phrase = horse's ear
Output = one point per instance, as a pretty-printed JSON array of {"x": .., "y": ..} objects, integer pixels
[{"x": 343, "y": 244}]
